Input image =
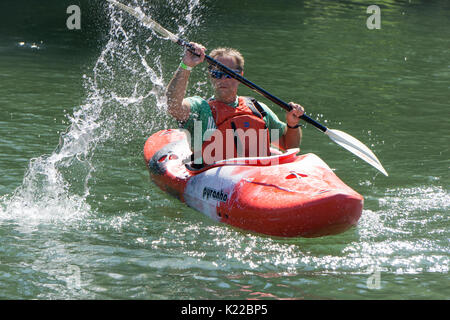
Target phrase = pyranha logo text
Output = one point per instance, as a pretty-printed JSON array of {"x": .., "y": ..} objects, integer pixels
[{"x": 217, "y": 195}]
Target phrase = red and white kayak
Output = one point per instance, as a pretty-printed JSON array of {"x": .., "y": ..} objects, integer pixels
[{"x": 288, "y": 196}]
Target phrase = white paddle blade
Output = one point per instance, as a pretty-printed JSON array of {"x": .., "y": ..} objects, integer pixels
[
  {"x": 148, "y": 22},
  {"x": 356, "y": 147}
]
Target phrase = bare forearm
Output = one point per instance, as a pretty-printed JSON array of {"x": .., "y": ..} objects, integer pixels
[
  {"x": 293, "y": 135},
  {"x": 176, "y": 90},
  {"x": 292, "y": 138}
]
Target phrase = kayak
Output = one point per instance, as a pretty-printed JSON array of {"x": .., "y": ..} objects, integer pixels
[{"x": 283, "y": 195}]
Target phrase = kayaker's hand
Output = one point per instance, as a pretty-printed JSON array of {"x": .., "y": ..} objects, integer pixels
[
  {"x": 293, "y": 116},
  {"x": 190, "y": 59}
]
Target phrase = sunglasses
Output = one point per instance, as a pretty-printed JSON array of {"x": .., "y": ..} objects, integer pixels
[{"x": 220, "y": 74}]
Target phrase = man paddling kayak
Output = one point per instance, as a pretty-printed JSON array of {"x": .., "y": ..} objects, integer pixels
[{"x": 229, "y": 125}]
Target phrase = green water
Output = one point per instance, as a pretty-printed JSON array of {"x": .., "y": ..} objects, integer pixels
[{"x": 79, "y": 218}]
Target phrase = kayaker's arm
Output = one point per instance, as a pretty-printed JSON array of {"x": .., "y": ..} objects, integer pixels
[
  {"x": 293, "y": 135},
  {"x": 291, "y": 138},
  {"x": 177, "y": 106}
]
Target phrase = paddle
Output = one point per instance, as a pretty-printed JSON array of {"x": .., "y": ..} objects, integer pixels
[{"x": 343, "y": 139}]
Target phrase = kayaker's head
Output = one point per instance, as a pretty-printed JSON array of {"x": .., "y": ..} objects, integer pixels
[{"x": 225, "y": 87}]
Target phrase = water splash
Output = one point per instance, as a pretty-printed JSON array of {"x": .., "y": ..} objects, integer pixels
[{"x": 124, "y": 102}]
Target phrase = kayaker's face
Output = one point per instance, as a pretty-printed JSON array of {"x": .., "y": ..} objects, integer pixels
[{"x": 225, "y": 89}]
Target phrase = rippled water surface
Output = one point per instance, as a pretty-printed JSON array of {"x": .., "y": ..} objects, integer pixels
[{"x": 79, "y": 217}]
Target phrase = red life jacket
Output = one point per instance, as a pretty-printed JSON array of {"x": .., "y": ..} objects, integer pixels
[{"x": 241, "y": 131}]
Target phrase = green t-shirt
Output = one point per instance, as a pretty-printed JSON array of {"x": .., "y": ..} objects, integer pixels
[{"x": 201, "y": 111}]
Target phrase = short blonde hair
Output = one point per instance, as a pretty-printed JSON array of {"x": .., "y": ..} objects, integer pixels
[{"x": 219, "y": 52}]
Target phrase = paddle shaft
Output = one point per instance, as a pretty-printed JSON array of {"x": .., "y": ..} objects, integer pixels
[{"x": 251, "y": 85}]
